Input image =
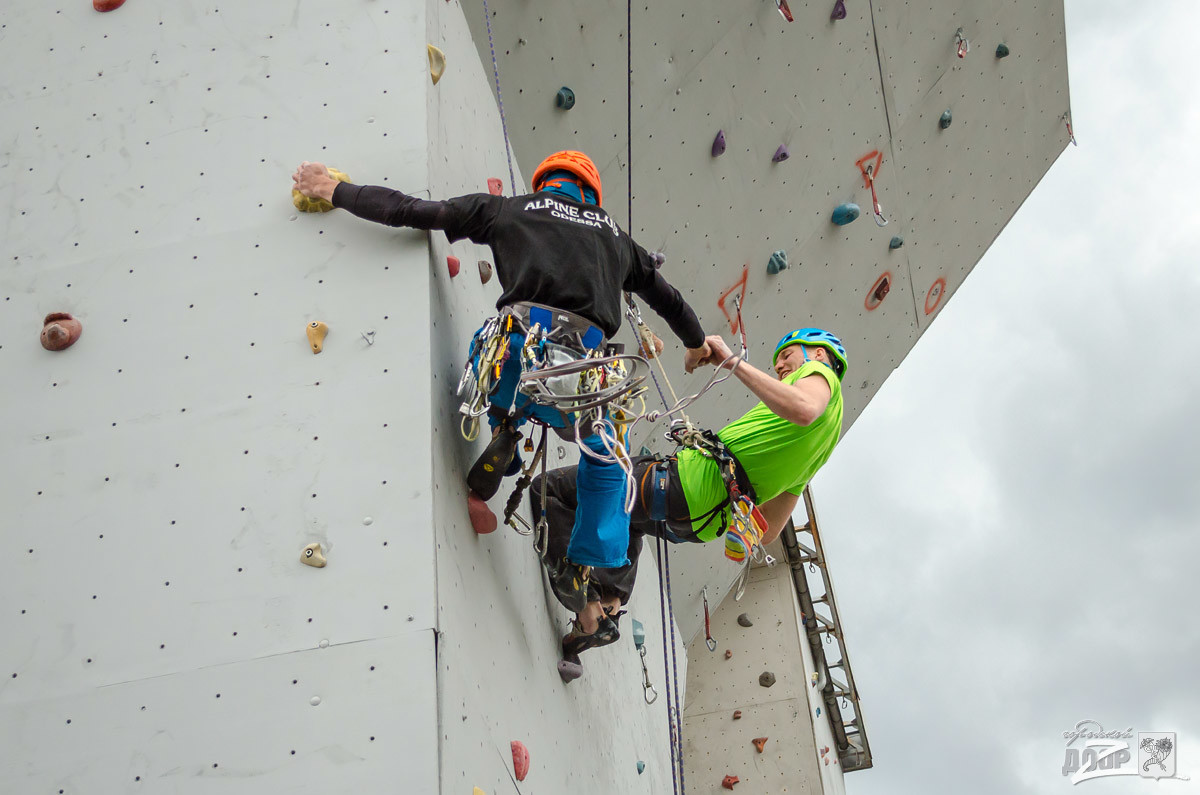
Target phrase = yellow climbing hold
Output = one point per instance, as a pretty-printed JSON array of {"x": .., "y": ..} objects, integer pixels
[
  {"x": 437, "y": 63},
  {"x": 307, "y": 204},
  {"x": 478, "y": 791},
  {"x": 313, "y": 556},
  {"x": 316, "y": 332}
]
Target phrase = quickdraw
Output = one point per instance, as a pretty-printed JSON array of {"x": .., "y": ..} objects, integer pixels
[{"x": 708, "y": 638}]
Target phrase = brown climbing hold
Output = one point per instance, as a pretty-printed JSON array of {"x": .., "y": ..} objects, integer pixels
[
  {"x": 495, "y": 186},
  {"x": 520, "y": 759},
  {"x": 60, "y": 330},
  {"x": 766, "y": 679},
  {"x": 737, "y": 714},
  {"x": 316, "y": 332},
  {"x": 485, "y": 271},
  {"x": 437, "y": 63},
  {"x": 728, "y": 653},
  {"x": 107, "y": 5},
  {"x": 744, "y": 620},
  {"x": 313, "y": 556},
  {"x": 729, "y": 781},
  {"x": 453, "y": 264},
  {"x": 759, "y": 743}
]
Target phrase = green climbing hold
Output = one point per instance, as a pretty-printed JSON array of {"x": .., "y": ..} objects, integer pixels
[
  {"x": 777, "y": 262},
  {"x": 565, "y": 98},
  {"x": 845, "y": 213},
  {"x": 896, "y": 242},
  {"x": 641, "y": 767},
  {"x": 639, "y": 634},
  {"x": 1002, "y": 51},
  {"x": 944, "y": 122}
]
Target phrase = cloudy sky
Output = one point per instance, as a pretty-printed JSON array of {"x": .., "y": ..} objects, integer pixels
[{"x": 1014, "y": 523}]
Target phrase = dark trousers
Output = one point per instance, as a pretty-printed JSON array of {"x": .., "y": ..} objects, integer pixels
[{"x": 560, "y": 515}]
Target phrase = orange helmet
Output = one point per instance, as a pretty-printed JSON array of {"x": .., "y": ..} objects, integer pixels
[{"x": 578, "y": 164}]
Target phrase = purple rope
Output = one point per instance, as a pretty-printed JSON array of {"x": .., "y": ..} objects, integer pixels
[
  {"x": 678, "y": 748},
  {"x": 662, "y": 604},
  {"x": 487, "y": 17}
]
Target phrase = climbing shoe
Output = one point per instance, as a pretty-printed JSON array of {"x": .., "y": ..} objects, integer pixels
[
  {"x": 570, "y": 584},
  {"x": 485, "y": 476},
  {"x": 482, "y": 518},
  {"x": 606, "y": 633}
]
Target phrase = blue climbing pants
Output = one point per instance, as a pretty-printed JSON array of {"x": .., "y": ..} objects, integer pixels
[{"x": 600, "y": 537}]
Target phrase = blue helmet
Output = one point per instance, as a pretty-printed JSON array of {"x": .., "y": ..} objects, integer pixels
[{"x": 817, "y": 338}]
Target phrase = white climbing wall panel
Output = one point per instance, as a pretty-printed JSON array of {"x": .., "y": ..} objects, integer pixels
[{"x": 831, "y": 91}]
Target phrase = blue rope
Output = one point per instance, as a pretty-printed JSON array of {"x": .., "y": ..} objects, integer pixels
[{"x": 487, "y": 17}]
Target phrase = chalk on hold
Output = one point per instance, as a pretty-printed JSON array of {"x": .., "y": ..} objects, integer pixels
[
  {"x": 1001, "y": 50},
  {"x": 313, "y": 556},
  {"x": 737, "y": 714},
  {"x": 766, "y": 679},
  {"x": 744, "y": 620},
  {"x": 777, "y": 262},
  {"x": 729, "y": 781},
  {"x": 896, "y": 242},
  {"x": 718, "y": 146},
  {"x": 307, "y": 204},
  {"x": 485, "y": 271},
  {"x": 107, "y": 5},
  {"x": 565, "y": 98},
  {"x": 845, "y": 212},
  {"x": 495, "y": 186},
  {"x": 60, "y": 330},
  {"x": 520, "y": 759},
  {"x": 781, "y": 154},
  {"x": 570, "y": 669},
  {"x": 437, "y": 63},
  {"x": 759, "y": 743},
  {"x": 316, "y": 332},
  {"x": 641, "y": 766},
  {"x": 945, "y": 119},
  {"x": 839, "y": 10},
  {"x": 453, "y": 265},
  {"x": 728, "y": 654}
]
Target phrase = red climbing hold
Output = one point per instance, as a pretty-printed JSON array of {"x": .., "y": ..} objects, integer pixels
[
  {"x": 759, "y": 743},
  {"x": 520, "y": 759},
  {"x": 107, "y": 5},
  {"x": 737, "y": 714},
  {"x": 729, "y": 781},
  {"x": 495, "y": 186},
  {"x": 482, "y": 518},
  {"x": 728, "y": 653},
  {"x": 784, "y": 11},
  {"x": 453, "y": 264},
  {"x": 60, "y": 330}
]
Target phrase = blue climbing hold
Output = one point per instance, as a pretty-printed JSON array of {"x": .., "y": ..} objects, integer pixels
[
  {"x": 896, "y": 242},
  {"x": 1002, "y": 51},
  {"x": 641, "y": 767},
  {"x": 781, "y": 154},
  {"x": 845, "y": 213},
  {"x": 818, "y": 712},
  {"x": 944, "y": 122},
  {"x": 639, "y": 634},
  {"x": 777, "y": 262},
  {"x": 718, "y": 147},
  {"x": 565, "y": 98}
]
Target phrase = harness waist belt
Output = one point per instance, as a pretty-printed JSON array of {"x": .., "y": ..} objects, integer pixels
[
  {"x": 561, "y": 326},
  {"x": 743, "y": 479}
]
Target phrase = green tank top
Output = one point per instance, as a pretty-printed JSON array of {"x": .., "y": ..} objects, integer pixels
[{"x": 778, "y": 455}]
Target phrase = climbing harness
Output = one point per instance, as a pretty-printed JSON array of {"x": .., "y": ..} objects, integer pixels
[{"x": 708, "y": 638}]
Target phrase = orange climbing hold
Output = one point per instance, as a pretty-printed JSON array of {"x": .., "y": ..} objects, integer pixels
[
  {"x": 759, "y": 743},
  {"x": 737, "y": 714},
  {"x": 107, "y": 5},
  {"x": 60, "y": 330},
  {"x": 495, "y": 186},
  {"x": 520, "y": 759},
  {"x": 729, "y": 781},
  {"x": 453, "y": 264},
  {"x": 316, "y": 332}
]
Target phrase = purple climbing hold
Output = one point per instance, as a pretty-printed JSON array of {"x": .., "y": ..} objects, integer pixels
[
  {"x": 781, "y": 154},
  {"x": 659, "y": 258},
  {"x": 839, "y": 10},
  {"x": 718, "y": 147},
  {"x": 570, "y": 668}
]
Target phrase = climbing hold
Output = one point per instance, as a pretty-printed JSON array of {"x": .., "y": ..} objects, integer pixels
[
  {"x": 520, "y": 759},
  {"x": 485, "y": 271},
  {"x": 839, "y": 10},
  {"x": 818, "y": 712},
  {"x": 60, "y": 330},
  {"x": 437, "y": 63},
  {"x": 316, "y": 332},
  {"x": 307, "y": 204},
  {"x": 729, "y": 781},
  {"x": 478, "y": 791},
  {"x": 945, "y": 120},
  {"x": 777, "y": 262},
  {"x": 896, "y": 242},
  {"x": 718, "y": 147},
  {"x": 570, "y": 669},
  {"x": 481, "y": 516},
  {"x": 495, "y": 186},
  {"x": 645, "y": 451},
  {"x": 107, "y": 5},
  {"x": 639, "y": 634},
  {"x": 845, "y": 213},
  {"x": 781, "y": 154},
  {"x": 766, "y": 679},
  {"x": 1001, "y": 50},
  {"x": 728, "y": 653},
  {"x": 641, "y": 767},
  {"x": 784, "y": 11},
  {"x": 814, "y": 677},
  {"x": 565, "y": 98},
  {"x": 313, "y": 556},
  {"x": 759, "y": 743},
  {"x": 659, "y": 258},
  {"x": 452, "y": 264},
  {"x": 737, "y": 714},
  {"x": 744, "y": 620}
]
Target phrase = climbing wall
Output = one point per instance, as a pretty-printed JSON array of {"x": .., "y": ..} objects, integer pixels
[
  {"x": 166, "y": 471},
  {"x": 831, "y": 92}
]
